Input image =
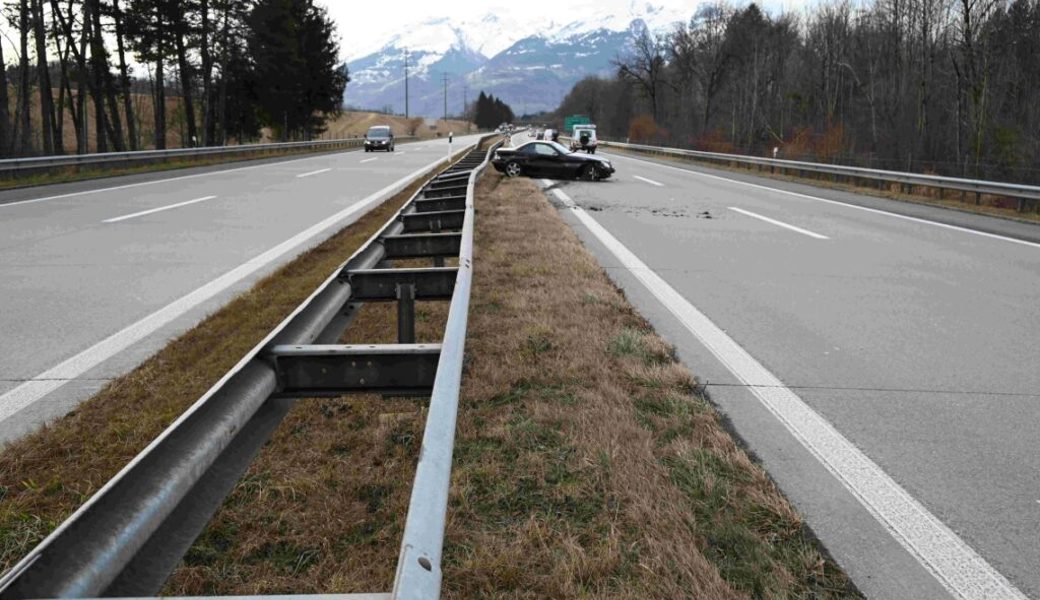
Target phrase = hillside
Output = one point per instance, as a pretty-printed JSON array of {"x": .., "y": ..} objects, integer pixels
[{"x": 356, "y": 123}]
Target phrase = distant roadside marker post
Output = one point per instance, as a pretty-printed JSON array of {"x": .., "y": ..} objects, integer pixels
[{"x": 450, "y": 136}]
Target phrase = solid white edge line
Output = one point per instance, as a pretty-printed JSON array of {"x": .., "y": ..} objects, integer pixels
[
  {"x": 879, "y": 211},
  {"x": 318, "y": 172},
  {"x": 50, "y": 380},
  {"x": 155, "y": 210},
  {"x": 779, "y": 223},
  {"x": 961, "y": 570},
  {"x": 650, "y": 181}
]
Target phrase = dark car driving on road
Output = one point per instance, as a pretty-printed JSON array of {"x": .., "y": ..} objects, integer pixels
[
  {"x": 550, "y": 159},
  {"x": 379, "y": 137}
]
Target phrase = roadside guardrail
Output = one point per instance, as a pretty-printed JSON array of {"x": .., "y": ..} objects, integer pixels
[
  {"x": 15, "y": 166},
  {"x": 1027, "y": 196},
  {"x": 129, "y": 536}
]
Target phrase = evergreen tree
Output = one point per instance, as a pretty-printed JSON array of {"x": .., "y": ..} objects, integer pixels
[{"x": 295, "y": 54}]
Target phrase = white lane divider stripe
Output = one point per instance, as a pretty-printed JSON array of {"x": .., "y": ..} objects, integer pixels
[
  {"x": 650, "y": 181},
  {"x": 960, "y": 569},
  {"x": 779, "y": 223},
  {"x": 878, "y": 211},
  {"x": 50, "y": 380},
  {"x": 157, "y": 181},
  {"x": 369, "y": 160},
  {"x": 318, "y": 172},
  {"x": 155, "y": 210}
]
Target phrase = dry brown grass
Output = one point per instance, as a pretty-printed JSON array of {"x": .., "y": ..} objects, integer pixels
[
  {"x": 356, "y": 123},
  {"x": 585, "y": 464},
  {"x": 45, "y": 476}
]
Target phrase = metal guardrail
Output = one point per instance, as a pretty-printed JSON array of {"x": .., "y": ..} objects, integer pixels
[
  {"x": 16, "y": 165},
  {"x": 1024, "y": 194},
  {"x": 127, "y": 538}
]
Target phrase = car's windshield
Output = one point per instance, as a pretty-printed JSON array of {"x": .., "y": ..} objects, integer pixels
[
  {"x": 560, "y": 147},
  {"x": 379, "y": 132}
]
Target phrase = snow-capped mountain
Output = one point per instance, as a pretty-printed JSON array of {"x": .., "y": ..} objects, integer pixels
[{"x": 528, "y": 62}]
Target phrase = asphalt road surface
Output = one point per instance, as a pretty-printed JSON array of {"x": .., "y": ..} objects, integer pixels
[
  {"x": 98, "y": 275},
  {"x": 882, "y": 365}
]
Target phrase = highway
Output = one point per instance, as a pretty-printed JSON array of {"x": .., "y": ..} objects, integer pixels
[
  {"x": 879, "y": 358},
  {"x": 99, "y": 275}
]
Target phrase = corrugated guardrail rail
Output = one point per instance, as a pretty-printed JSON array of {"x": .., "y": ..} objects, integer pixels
[
  {"x": 127, "y": 538},
  {"x": 16, "y": 166},
  {"x": 1024, "y": 194}
]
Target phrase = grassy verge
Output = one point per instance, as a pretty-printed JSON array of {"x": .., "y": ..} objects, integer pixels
[
  {"x": 994, "y": 206},
  {"x": 586, "y": 465}
]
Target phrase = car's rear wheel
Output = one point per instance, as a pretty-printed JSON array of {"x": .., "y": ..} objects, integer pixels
[
  {"x": 588, "y": 173},
  {"x": 513, "y": 169}
]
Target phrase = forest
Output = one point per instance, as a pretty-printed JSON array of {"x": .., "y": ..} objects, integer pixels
[
  {"x": 937, "y": 86},
  {"x": 118, "y": 75}
]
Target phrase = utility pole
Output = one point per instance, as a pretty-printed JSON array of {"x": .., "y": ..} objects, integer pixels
[
  {"x": 445, "y": 96},
  {"x": 406, "y": 83}
]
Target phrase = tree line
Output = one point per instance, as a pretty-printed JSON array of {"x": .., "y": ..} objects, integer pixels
[
  {"x": 489, "y": 112},
  {"x": 120, "y": 73},
  {"x": 944, "y": 86}
]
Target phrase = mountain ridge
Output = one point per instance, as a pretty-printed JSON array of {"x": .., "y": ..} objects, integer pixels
[{"x": 529, "y": 68}]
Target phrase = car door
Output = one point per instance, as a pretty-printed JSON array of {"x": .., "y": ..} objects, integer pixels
[{"x": 546, "y": 161}]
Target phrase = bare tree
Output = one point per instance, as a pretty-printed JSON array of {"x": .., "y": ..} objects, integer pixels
[
  {"x": 47, "y": 121},
  {"x": 645, "y": 68}
]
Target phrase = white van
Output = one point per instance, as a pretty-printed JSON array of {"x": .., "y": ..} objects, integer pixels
[{"x": 584, "y": 138}]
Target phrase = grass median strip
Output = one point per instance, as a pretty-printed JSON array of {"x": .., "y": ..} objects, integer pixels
[{"x": 586, "y": 464}]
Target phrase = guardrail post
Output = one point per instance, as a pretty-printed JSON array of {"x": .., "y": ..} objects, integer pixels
[
  {"x": 435, "y": 227},
  {"x": 406, "y": 313}
]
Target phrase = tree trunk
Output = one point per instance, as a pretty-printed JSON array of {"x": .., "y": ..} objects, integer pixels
[
  {"x": 81, "y": 89},
  {"x": 25, "y": 123},
  {"x": 208, "y": 124},
  {"x": 124, "y": 79},
  {"x": 4, "y": 116},
  {"x": 108, "y": 90},
  {"x": 225, "y": 54},
  {"x": 94, "y": 78},
  {"x": 43, "y": 80},
  {"x": 64, "y": 90},
  {"x": 186, "y": 77},
  {"x": 160, "y": 82}
]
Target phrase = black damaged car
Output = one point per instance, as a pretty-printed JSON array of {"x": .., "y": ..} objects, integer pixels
[{"x": 552, "y": 160}]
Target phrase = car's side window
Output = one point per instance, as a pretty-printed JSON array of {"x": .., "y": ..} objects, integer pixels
[{"x": 544, "y": 150}]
